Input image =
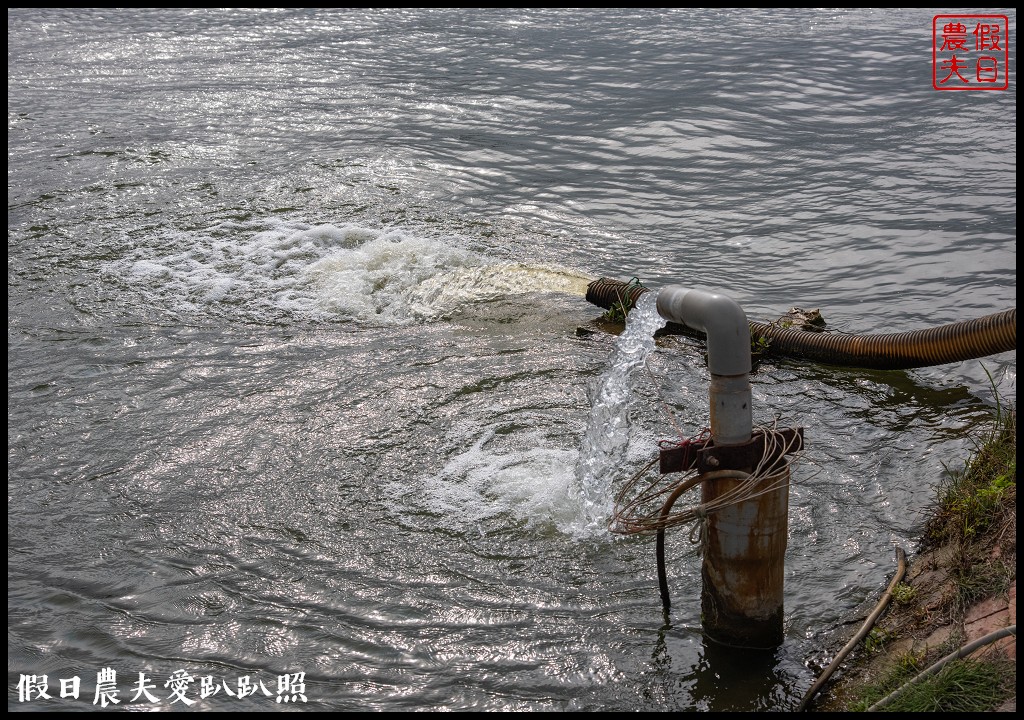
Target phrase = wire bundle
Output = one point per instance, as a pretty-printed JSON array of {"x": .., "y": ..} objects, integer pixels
[{"x": 647, "y": 509}]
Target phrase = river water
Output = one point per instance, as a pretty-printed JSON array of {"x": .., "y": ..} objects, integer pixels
[{"x": 302, "y": 381}]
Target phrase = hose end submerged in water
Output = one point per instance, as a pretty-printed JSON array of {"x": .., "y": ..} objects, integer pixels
[{"x": 606, "y": 293}]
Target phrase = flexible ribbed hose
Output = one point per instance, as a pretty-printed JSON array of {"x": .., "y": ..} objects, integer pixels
[
  {"x": 958, "y": 341},
  {"x": 965, "y": 340}
]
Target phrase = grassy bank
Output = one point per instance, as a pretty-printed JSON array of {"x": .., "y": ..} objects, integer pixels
[{"x": 968, "y": 556}]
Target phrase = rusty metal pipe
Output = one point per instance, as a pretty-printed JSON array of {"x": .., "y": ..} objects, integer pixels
[{"x": 743, "y": 570}]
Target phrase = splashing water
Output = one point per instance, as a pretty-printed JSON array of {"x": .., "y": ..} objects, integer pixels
[{"x": 604, "y": 446}]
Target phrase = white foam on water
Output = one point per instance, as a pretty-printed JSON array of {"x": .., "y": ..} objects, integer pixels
[
  {"x": 488, "y": 480},
  {"x": 273, "y": 270},
  {"x": 539, "y": 485},
  {"x": 461, "y": 286}
]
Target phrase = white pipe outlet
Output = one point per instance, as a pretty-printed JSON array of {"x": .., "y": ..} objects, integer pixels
[
  {"x": 719, "y": 317},
  {"x": 728, "y": 338}
]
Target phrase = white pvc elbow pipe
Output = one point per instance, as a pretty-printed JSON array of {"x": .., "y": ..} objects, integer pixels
[
  {"x": 728, "y": 338},
  {"x": 719, "y": 317}
]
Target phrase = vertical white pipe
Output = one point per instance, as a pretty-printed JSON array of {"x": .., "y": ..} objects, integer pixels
[
  {"x": 728, "y": 338},
  {"x": 742, "y": 570}
]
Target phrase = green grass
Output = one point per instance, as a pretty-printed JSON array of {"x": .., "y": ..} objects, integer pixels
[
  {"x": 976, "y": 515},
  {"x": 961, "y": 686},
  {"x": 904, "y": 594}
]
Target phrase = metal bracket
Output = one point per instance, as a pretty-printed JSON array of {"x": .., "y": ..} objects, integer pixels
[{"x": 705, "y": 456}]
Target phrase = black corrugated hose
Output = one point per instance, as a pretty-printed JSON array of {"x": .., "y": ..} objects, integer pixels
[{"x": 958, "y": 341}]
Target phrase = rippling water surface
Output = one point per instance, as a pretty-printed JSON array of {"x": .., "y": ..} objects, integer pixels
[{"x": 301, "y": 378}]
